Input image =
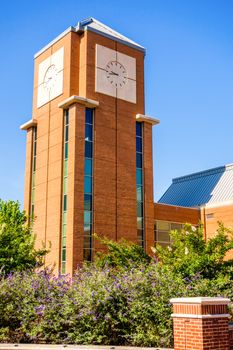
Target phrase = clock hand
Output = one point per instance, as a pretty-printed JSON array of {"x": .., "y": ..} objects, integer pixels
[{"x": 113, "y": 73}]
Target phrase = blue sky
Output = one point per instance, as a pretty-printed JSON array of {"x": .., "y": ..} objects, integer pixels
[{"x": 188, "y": 72}]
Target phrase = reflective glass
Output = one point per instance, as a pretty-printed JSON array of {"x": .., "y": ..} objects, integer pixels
[
  {"x": 33, "y": 196},
  {"x": 64, "y": 217},
  {"x": 66, "y": 116},
  {"x": 139, "y": 129},
  {"x": 63, "y": 258},
  {"x": 87, "y": 217},
  {"x": 139, "y": 144},
  {"x": 139, "y": 176},
  {"x": 65, "y": 202},
  {"x": 64, "y": 230},
  {"x": 87, "y": 242},
  {"x": 35, "y": 145},
  {"x": 87, "y": 254},
  {"x": 140, "y": 209},
  {"x": 89, "y": 116},
  {"x": 88, "y": 132},
  {"x": 88, "y": 149},
  {"x": 140, "y": 223},
  {"x": 66, "y": 167},
  {"x": 139, "y": 193},
  {"x": 87, "y": 229},
  {"x": 87, "y": 184},
  {"x": 63, "y": 242},
  {"x": 139, "y": 160},
  {"x": 88, "y": 167},
  {"x": 66, "y": 150},
  {"x": 66, "y": 133},
  {"x": 34, "y": 163},
  {"x": 87, "y": 201},
  {"x": 65, "y": 185}
]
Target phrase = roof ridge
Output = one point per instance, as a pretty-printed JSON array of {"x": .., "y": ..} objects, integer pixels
[{"x": 203, "y": 173}]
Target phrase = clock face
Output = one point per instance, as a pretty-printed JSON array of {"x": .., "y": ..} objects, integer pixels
[
  {"x": 50, "y": 77},
  {"x": 116, "y": 74}
]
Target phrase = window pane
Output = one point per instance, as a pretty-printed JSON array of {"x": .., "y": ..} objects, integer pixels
[
  {"x": 64, "y": 230},
  {"x": 87, "y": 254},
  {"x": 63, "y": 242},
  {"x": 33, "y": 196},
  {"x": 138, "y": 129},
  {"x": 63, "y": 268},
  {"x": 163, "y": 236},
  {"x": 66, "y": 150},
  {"x": 163, "y": 225},
  {"x": 88, "y": 167},
  {"x": 140, "y": 223},
  {"x": 66, "y": 133},
  {"x": 139, "y": 160},
  {"x": 63, "y": 255},
  {"x": 87, "y": 217},
  {"x": 87, "y": 184},
  {"x": 65, "y": 185},
  {"x": 140, "y": 209},
  {"x": 88, "y": 132},
  {"x": 87, "y": 201},
  {"x": 35, "y": 145},
  {"x": 139, "y": 193},
  {"x": 139, "y": 176},
  {"x": 66, "y": 116},
  {"x": 87, "y": 242},
  {"x": 87, "y": 229},
  {"x": 139, "y": 144},
  {"x": 66, "y": 167},
  {"x": 65, "y": 202},
  {"x": 140, "y": 234},
  {"x": 175, "y": 226},
  {"x": 34, "y": 163},
  {"x": 64, "y": 217},
  {"x": 89, "y": 116},
  {"x": 88, "y": 149}
]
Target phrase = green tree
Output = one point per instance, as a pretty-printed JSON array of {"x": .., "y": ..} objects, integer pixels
[
  {"x": 189, "y": 253},
  {"x": 17, "y": 251}
]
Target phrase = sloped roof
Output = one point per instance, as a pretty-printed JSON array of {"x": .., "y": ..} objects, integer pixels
[
  {"x": 98, "y": 27},
  {"x": 205, "y": 187},
  {"x": 95, "y": 26}
]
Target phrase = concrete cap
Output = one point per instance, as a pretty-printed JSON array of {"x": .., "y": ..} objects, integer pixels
[{"x": 201, "y": 300}]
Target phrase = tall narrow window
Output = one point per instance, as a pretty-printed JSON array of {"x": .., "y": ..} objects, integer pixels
[
  {"x": 88, "y": 185},
  {"x": 139, "y": 183},
  {"x": 33, "y": 179},
  {"x": 65, "y": 191}
]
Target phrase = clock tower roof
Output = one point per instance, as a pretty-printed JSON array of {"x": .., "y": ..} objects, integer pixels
[{"x": 96, "y": 26}]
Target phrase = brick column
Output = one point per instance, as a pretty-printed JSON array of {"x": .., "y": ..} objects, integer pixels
[{"x": 200, "y": 323}]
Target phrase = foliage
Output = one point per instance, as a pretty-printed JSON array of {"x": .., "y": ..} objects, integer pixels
[
  {"x": 190, "y": 254},
  {"x": 121, "y": 254},
  {"x": 17, "y": 250}
]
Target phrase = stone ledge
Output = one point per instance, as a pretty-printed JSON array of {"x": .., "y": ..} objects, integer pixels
[{"x": 71, "y": 347}]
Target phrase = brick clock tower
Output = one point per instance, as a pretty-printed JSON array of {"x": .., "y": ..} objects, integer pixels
[{"x": 89, "y": 145}]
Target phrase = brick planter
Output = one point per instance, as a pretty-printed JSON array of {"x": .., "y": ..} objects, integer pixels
[{"x": 200, "y": 323}]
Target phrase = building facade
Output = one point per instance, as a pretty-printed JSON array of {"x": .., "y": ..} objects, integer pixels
[{"x": 89, "y": 145}]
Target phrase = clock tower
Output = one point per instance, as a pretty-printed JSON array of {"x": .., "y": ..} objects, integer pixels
[{"x": 89, "y": 145}]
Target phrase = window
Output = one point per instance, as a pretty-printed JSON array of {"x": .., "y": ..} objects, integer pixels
[
  {"x": 139, "y": 184},
  {"x": 33, "y": 176},
  {"x": 162, "y": 230}
]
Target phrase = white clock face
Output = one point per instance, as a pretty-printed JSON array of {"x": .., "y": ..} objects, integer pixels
[
  {"x": 50, "y": 77},
  {"x": 116, "y": 74}
]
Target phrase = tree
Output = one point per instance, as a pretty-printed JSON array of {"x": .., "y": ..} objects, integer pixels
[
  {"x": 189, "y": 253},
  {"x": 17, "y": 251}
]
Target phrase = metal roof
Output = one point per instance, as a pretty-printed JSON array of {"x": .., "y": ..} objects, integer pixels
[
  {"x": 205, "y": 187},
  {"x": 98, "y": 27}
]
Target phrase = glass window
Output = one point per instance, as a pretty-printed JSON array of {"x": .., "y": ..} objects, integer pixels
[
  {"x": 139, "y": 176},
  {"x": 66, "y": 167},
  {"x": 87, "y": 202},
  {"x": 88, "y": 132},
  {"x": 63, "y": 242},
  {"x": 139, "y": 144},
  {"x": 138, "y": 129},
  {"x": 140, "y": 223},
  {"x": 140, "y": 209},
  {"x": 33, "y": 195},
  {"x": 65, "y": 185},
  {"x": 140, "y": 235},
  {"x": 87, "y": 217},
  {"x": 87, "y": 229},
  {"x": 163, "y": 225},
  {"x": 66, "y": 150},
  {"x": 63, "y": 267},
  {"x": 139, "y": 160},
  {"x": 65, "y": 202},
  {"x": 66, "y": 133},
  {"x": 87, "y": 184},
  {"x": 63, "y": 255},
  {"x": 87, "y": 242},
  {"x": 34, "y": 164},
  {"x": 66, "y": 116},
  {"x": 88, "y": 149},
  {"x": 175, "y": 226},
  {"x": 89, "y": 116},
  {"x": 64, "y": 229},
  {"x": 64, "y": 217},
  {"x": 87, "y": 254},
  {"x": 88, "y": 167},
  {"x": 163, "y": 236},
  {"x": 139, "y": 193}
]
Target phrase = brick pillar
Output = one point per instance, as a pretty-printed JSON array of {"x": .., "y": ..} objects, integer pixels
[{"x": 200, "y": 323}]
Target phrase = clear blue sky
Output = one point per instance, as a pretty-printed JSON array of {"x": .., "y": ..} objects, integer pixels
[{"x": 188, "y": 66}]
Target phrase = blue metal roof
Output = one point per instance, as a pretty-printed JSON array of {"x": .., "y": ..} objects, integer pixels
[{"x": 209, "y": 186}]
